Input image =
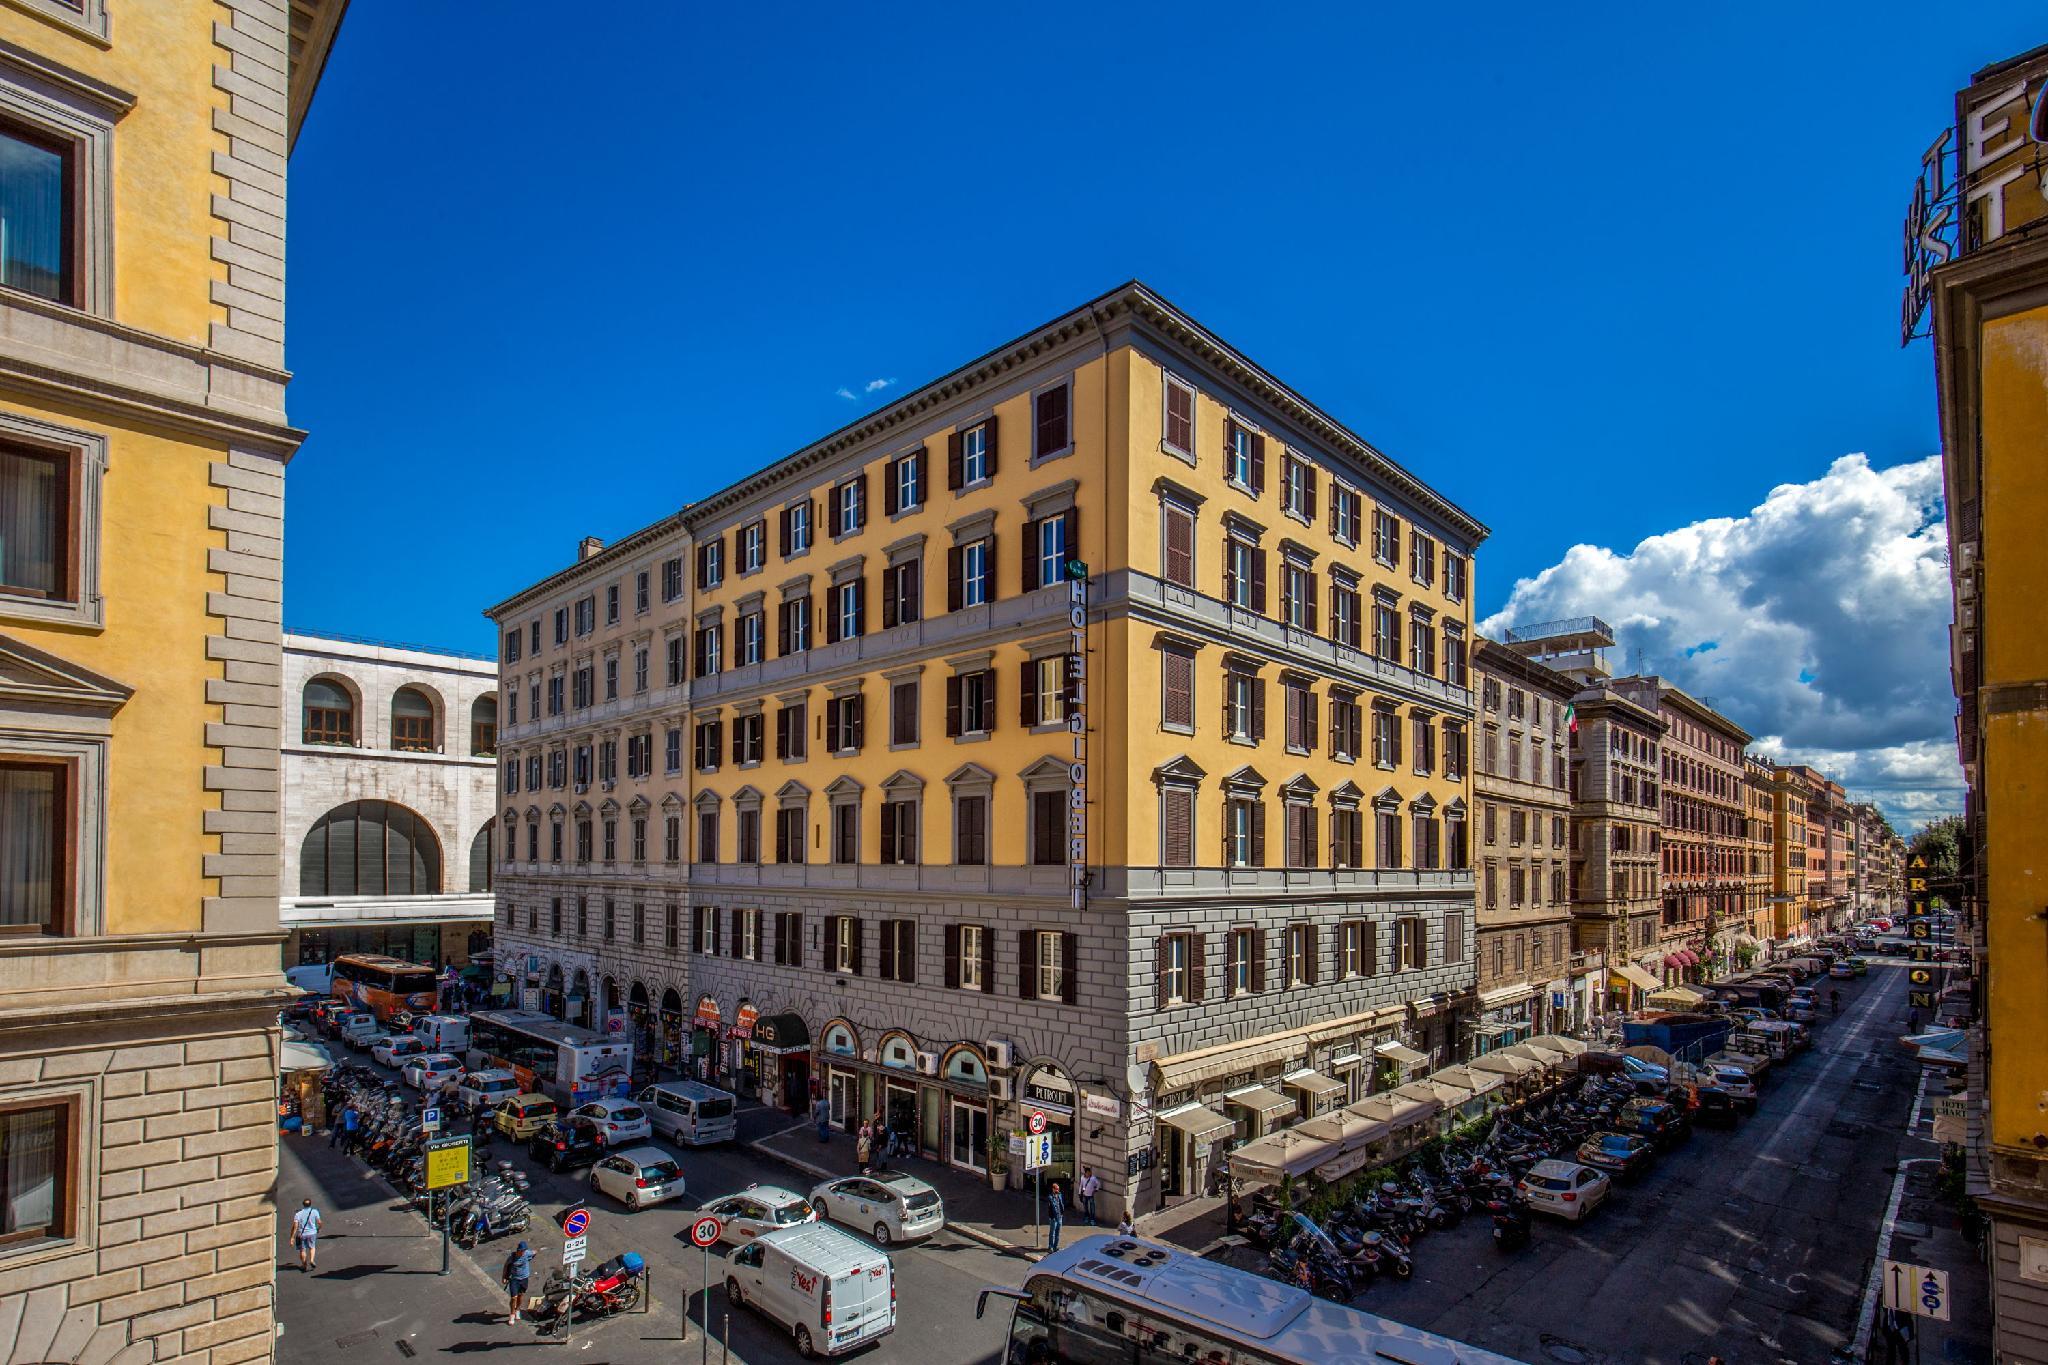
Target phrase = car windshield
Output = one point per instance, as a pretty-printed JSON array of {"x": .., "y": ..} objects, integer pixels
[
  {"x": 713, "y": 1109},
  {"x": 1549, "y": 1182},
  {"x": 660, "y": 1170},
  {"x": 921, "y": 1200},
  {"x": 1615, "y": 1142},
  {"x": 793, "y": 1213},
  {"x": 626, "y": 1113}
]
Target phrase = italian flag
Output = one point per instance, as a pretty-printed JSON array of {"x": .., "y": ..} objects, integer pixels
[{"x": 1571, "y": 717}]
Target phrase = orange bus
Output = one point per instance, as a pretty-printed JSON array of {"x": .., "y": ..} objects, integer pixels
[{"x": 384, "y": 985}]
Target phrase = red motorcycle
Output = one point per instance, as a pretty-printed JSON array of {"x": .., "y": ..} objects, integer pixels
[{"x": 614, "y": 1287}]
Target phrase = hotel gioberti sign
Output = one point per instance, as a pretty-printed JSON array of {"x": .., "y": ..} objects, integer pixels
[{"x": 1981, "y": 181}]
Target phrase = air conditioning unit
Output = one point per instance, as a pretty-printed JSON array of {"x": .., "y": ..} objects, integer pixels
[
  {"x": 999, "y": 1087},
  {"x": 998, "y": 1055},
  {"x": 582, "y": 787},
  {"x": 928, "y": 1063},
  {"x": 870, "y": 1056}
]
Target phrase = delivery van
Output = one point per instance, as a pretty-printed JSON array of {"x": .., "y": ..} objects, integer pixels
[
  {"x": 442, "y": 1032},
  {"x": 693, "y": 1114},
  {"x": 831, "y": 1290}
]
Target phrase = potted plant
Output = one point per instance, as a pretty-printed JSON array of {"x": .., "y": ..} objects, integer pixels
[{"x": 998, "y": 1162}]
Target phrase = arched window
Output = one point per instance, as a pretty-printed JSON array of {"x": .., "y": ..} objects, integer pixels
[
  {"x": 483, "y": 726},
  {"x": 412, "y": 721},
  {"x": 480, "y": 859},
  {"x": 370, "y": 848},
  {"x": 330, "y": 713}
]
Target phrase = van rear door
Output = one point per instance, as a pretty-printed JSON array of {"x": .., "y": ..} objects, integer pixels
[{"x": 860, "y": 1301}]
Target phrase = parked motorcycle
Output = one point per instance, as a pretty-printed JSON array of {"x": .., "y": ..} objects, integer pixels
[{"x": 613, "y": 1287}]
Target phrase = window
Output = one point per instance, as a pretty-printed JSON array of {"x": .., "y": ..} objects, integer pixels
[
  {"x": 903, "y": 712},
  {"x": 639, "y": 594},
  {"x": 1386, "y": 631},
  {"x": 1244, "y": 707},
  {"x": 1244, "y": 456},
  {"x": 1175, "y": 986},
  {"x": 1177, "y": 545},
  {"x": 611, "y": 841},
  {"x": 753, "y": 546},
  {"x": 1177, "y": 827},
  {"x": 1421, "y": 557},
  {"x": 746, "y": 935},
  {"x": 846, "y": 832},
  {"x": 899, "y": 950},
  {"x": 850, "y": 506},
  {"x": 583, "y": 844},
  {"x": 37, "y": 1180},
  {"x": 611, "y": 678},
  {"x": 1355, "y": 947},
  {"x": 1045, "y": 966},
  {"x": 796, "y": 528},
  {"x": 748, "y": 641},
  {"x": 749, "y": 850},
  {"x": 1347, "y": 838},
  {"x": 639, "y": 838},
  {"x": 844, "y": 724},
  {"x": 1454, "y": 576},
  {"x": 1387, "y": 836},
  {"x": 1052, "y": 544},
  {"x": 586, "y": 615},
  {"x": 899, "y": 832},
  {"x": 842, "y": 944},
  {"x": 362, "y": 848},
  {"x": 903, "y": 483},
  {"x": 1298, "y": 487},
  {"x": 1425, "y": 744},
  {"x": 561, "y": 625},
  {"x": 1244, "y": 832},
  {"x": 792, "y": 724},
  {"x": 1244, "y": 574},
  {"x": 1048, "y": 828},
  {"x": 709, "y": 740},
  {"x": 710, "y": 650},
  {"x": 672, "y": 750},
  {"x": 1298, "y": 596},
  {"x": 41, "y": 507},
  {"x": 1049, "y": 423},
  {"x": 671, "y": 579},
  {"x": 711, "y": 563},
  {"x": 789, "y": 834},
  {"x": 39, "y": 194},
  {"x": 707, "y": 836},
  {"x": 1302, "y": 834},
  {"x": 794, "y": 623},
  {"x": 900, "y": 592},
  {"x": 789, "y": 938},
  {"x": 1421, "y": 644},
  {"x": 1300, "y": 717},
  {"x": 330, "y": 713},
  {"x": 970, "y": 956},
  {"x": 1386, "y": 736},
  {"x": 412, "y": 721},
  {"x": 37, "y": 829},
  {"x": 1386, "y": 537},
  {"x": 1046, "y": 684},
  {"x": 1301, "y": 955},
  {"x": 1347, "y": 510},
  {"x": 611, "y": 603},
  {"x": 1177, "y": 690},
  {"x": 1177, "y": 430},
  {"x": 1244, "y": 965},
  {"x": 1346, "y": 720},
  {"x": 640, "y": 670},
  {"x": 1455, "y": 671},
  {"x": 970, "y": 576},
  {"x": 848, "y": 602},
  {"x": 1411, "y": 943},
  {"x": 1454, "y": 750},
  {"x": 748, "y": 733},
  {"x": 703, "y": 929},
  {"x": 970, "y": 830},
  {"x": 1428, "y": 851},
  {"x": 1344, "y": 613},
  {"x": 971, "y": 455},
  {"x": 971, "y": 703}
]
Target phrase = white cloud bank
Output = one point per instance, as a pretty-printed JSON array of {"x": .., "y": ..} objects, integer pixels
[
  {"x": 871, "y": 387},
  {"x": 1818, "y": 622}
]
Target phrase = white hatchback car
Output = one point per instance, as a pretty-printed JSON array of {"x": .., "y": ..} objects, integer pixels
[
  {"x": 1565, "y": 1188},
  {"x": 889, "y": 1204},
  {"x": 394, "y": 1050},
  {"x": 758, "y": 1209},
  {"x": 638, "y": 1176},
  {"x": 621, "y": 1121},
  {"x": 426, "y": 1070}
]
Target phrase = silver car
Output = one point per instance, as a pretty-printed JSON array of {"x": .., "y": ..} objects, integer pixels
[
  {"x": 638, "y": 1176},
  {"x": 890, "y": 1205},
  {"x": 756, "y": 1210}
]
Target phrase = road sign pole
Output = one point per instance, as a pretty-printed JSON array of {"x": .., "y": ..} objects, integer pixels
[
  {"x": 1037, "y": 1198},
  {"x": 704, "y": 1337},
  {"x": 447, "y": 1208}
]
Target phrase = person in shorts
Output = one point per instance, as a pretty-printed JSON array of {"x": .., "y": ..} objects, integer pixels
[
  {"x": 305, "y": 1233},
  {"x": 518, "y": 1271}
]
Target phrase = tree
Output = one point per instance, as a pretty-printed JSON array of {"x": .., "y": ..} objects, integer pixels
[{"x": 1939, "y": 842}]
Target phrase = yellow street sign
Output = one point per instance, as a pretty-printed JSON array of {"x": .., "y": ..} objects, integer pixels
[{"x": 447, "y": 1163}]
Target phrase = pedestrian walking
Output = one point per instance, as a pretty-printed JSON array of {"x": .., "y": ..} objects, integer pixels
[
  {"x": 822, "y": 1112},
  {"x": 1055, "y": 1217},
  {"x": 864, "y": 1146},
  {"x": 305, "y": 1233},
  {"x": 344, "y": 1122},
  {"x": 518, "y": 1271},
  {"x": 1125, "y": 1228},
  {"x": 1090, "y": 1186}
]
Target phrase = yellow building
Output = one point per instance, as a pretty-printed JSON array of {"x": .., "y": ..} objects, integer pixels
[
  {"x": 1791, "y": 852},
  {"x": 1086, "y": 731},
  {"x": 142, "y": 448},
  {"x": 1991, "y": 360}
]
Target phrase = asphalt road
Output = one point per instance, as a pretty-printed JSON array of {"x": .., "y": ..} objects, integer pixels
[{"x": 1751, "y": 1245}]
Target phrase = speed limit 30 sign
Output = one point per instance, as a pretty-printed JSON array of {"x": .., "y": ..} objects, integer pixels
[
  {"x": 704, "y": 1232},
  {"x": 1037, "y": 1121}
]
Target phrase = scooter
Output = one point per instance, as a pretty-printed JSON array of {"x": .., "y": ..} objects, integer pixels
[{"x": 1510, "y": 1222}]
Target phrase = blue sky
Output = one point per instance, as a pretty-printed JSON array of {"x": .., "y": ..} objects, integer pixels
[{"x": 1596, "y": 276}]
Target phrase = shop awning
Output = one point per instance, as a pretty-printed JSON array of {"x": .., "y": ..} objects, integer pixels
[
  {"x": 299, "y": 1055},
  {"x": 1558, "y": 1043},
  {"x": 1279, "y": 1154},
  {"x": 781, "y": 1033},
  {"x": 1506, "y": 1063},
  {"x": 1344, "y": 1061},
  {"x": 1395, "y": 1109},
  {"x": 1692, "y": 959},
  {"x": 1337, "y": 1167},
  {"x": 1439, "y": 1093},
  {"x": 1348, "y": 1130},
  {"x": 1468, "y": 1078},
  {"x": 1675, "y": 998},
  {"x": 1202, "y": 1125},
  {"x": 1400, "y": 1053},
  {"x": 1636, "y": 976},
  {"x": 1312, "y": 1082},
  {"x": 1534, "y": 1051},
  {"x": 1486, "y": 1030},
  {"x": 1508, "y": 995},
  {"x": 1260, "y": 1100}
]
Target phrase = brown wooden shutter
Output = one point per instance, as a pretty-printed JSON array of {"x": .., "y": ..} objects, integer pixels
[
  {"x": 888, "y": 950},
  {"x": 890, "y": 580},
  {"x": 1258, "y": 834},
  {"x": 782, "y": 733},
  {"x": 1258, "y": 709},
  {"x": 1161, "y": 947},
  {"x": 1179, "y": 672},
  {"x": 857, "y": 715},
  {"x": 859, "y": 940},
  {"x": 1027, "y": 966},
  {"x": 1180, "y": 547},
  {"x": 1258, "y": 463},
  {"x": 1258, "y": 960},
  {"x": 891, "y": 472},
  {"x": 955, "y": 591},
  {"x": 1070, "y": 968},
  {"x": 988, "y": 698},
  {"x": 1315, "y": 960},
  {"x": 1180, "y": 818},
  {"x": 1308, "y": 581},
  {"x": 1312, "y": 721},
  {"x": 832, "y": 710},
  {"x": 1027, "y": 709},
  {"x": 1308, "y": 482},
  {"x": 1229, "y": 572},
  {"x": 1070, "y": 537},
  {"x": 1336, "y": 497},
  {"x": 953, "y": 707},
  {"x": 1031, "y": 583},
  {"x": 717, "y": 923},
  {"x": 1286, "y": 593},
  {"x": 906, "y": 947},
  {"x": 955, "y": 462},
  {"x": 860, "y": 499},
  {"x": 988, "y": 961},
  {"x": 735, "y": 915},
  {"x": 1198, "y": 966},
  {"x": 1292, "y": 817},
  {"x": 782, "y": 529},
  {"x": 953, "y": 930},
  {"x": 1308, "y": 838},
  {"x": 1259, "y": 581}
]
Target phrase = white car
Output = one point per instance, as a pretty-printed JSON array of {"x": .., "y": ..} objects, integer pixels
[
  {"x": 758, "y": 1209},
  {"x": 425, "y": 1071},
  {"x": 369, "y": 1042},
  {"x": 1565, "y": 1188},
  {"x": 638, "y": 1176},
  {"x": 394, "y": 1050},
  {"x": 487, "y": 1089},
  {"x": 621, "y": 1121},
  {"x": 888, "y": 1204}
]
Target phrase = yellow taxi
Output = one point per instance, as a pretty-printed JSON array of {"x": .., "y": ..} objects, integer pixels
[{"x": 524, "y": 1115}]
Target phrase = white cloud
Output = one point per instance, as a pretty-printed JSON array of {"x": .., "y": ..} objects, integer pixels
[
  {"x": 873, "y": 386},
  {"x": 848, "y": 394},
  {"x": 1819, "y": 620},
  {"x": 877, "y": 385}
]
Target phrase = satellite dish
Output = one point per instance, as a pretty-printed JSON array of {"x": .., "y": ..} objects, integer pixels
[{"x": 1139, "y": 1077}]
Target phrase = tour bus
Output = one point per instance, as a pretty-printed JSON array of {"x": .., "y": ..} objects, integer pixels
[
  {"x": 570, "y": 1065},
  {"x": 383, "y": 985},
  {"x": 1114, "y": 1298}
]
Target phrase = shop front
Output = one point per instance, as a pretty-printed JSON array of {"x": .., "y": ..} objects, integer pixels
[
  {"x": 782, "y": 1049},
  {"x": 705, "y": 1026},
  {"x": 1192, "y": 1143},
  {"x": 839, "y": 1064},
  {"x": 743, "y": 1062},
  {"x": 669, "y": 1030},
  {"x": 1048, "y": 1090},
  {"x": 966, "y": 1125},
  {"x": 1311, "y": 1093}
]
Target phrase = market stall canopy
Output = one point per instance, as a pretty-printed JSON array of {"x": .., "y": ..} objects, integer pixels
[
  {"x": 1433, "y": 1091},
  {"x": 1203, "y": 1125},
  {"x": 1348, "y": 1130},
  {"x": 1260, "y": 1100},
  {"x": 1636, "y": 976},
  {"x": 1312, "y": 1082},
  {"x": 298, "y": 1055},
  {"x": 1506, "y": 1063},
  {"x": 1534, "y": 1052},
  {"x": 1395, "y": 1109},
  {"x": 1401, "y": 1053},
  {"x": 1570, "y": 1047},
  {"x": 1279, "y": 1154},
  {"x": 1676, "y": 998},
  {"x": 1469, "y": 1078}
]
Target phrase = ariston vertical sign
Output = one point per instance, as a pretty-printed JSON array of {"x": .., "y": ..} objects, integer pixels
[{"x": 1077, "y": 727}]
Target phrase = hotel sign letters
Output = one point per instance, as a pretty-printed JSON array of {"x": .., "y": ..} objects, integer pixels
[{"x": 1077, "y": 728}]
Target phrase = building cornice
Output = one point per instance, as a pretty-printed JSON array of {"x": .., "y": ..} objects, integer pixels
[
  {"x": 1489, "y": 656},
  {"x": 595, "y": 566}
]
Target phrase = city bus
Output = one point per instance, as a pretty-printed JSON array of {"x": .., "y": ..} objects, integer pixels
[
  {"x": 1120, "y": 1298},
  {"x": 568, "y": 1064},
  {"x": 383, "y": 985}
]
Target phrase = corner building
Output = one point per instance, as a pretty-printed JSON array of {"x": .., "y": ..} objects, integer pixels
[
  {"x": 1084, "y": 732},
  {"x": 143, "y": 441}
]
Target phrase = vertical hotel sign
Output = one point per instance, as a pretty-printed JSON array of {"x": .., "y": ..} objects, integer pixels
[{"x": 1077, "y": 727}]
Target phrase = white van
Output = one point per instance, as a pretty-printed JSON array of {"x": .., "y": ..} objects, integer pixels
[
  {"x": 833, "y": 1291},
  {"x": 690, "y": 1113},
  {"x": 442, "y": 1032},
  {"x": 316, "y": 979}
]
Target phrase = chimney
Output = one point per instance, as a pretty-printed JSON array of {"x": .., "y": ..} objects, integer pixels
[{"x": 588, "y": 546}]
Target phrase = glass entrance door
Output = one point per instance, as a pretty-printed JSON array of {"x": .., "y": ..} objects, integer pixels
[
  {"x": 970, "y": 1136},
  {"x": 845, "y": 1096}
]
